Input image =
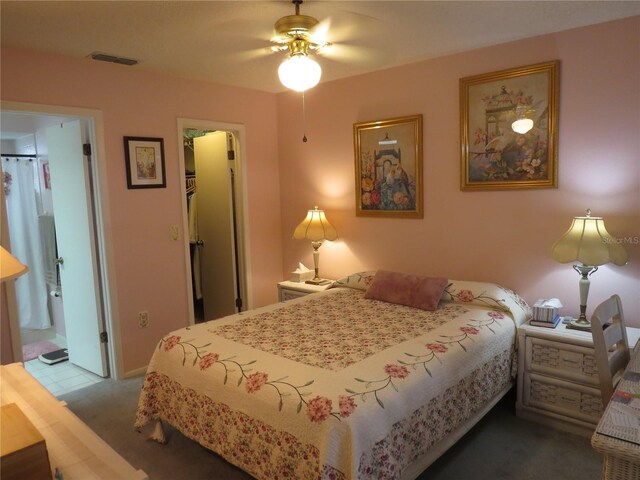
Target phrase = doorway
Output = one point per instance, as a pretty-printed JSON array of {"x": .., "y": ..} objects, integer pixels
[
  {"x": 214, "y": 219},
  {"x": 59, "y": 184}
]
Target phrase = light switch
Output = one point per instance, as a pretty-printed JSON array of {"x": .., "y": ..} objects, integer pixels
[{"x": 174, "y": 232}]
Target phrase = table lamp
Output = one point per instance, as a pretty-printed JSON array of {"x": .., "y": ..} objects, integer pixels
[
  {"x": 10, "y": 266},
  {"x": 315, "y": 227},
  {"x": 588, "y": 242}
]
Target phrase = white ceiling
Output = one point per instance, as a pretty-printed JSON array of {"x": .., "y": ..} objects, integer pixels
[{"x": 228, "y": 41}]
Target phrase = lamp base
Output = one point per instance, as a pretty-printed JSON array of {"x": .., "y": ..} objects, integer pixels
[{"x": 584, "y": 326}]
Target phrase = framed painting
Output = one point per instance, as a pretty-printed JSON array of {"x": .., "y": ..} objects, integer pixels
[
  {"x": 388, "y": 161},
  {"x": 144, "y": 158},
  {"x": 494, "y": 155},
  {"x": 46, "y": 175}
]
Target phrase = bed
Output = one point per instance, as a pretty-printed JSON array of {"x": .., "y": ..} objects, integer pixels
[{"x": 335, "y": 385}]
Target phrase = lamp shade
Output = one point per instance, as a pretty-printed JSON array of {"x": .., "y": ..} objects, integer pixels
[
  {"x": 10, "y": 266},
  {"x": 588, "y": 241},
  {"x": 315, "y": 227},
  {"x": 299, "y": 72}
]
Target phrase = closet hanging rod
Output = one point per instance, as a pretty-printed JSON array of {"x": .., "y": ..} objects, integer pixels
[{"x": 19, "y": 155}]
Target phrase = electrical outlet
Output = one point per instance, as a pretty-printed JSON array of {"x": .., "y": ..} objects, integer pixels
[{"x": 143, "y": 319}]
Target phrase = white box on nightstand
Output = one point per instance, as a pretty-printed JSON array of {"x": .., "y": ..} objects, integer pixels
[{"x": 288, "y": 290}]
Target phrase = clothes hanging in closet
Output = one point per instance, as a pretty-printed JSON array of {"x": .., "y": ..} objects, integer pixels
[{"x": 192, "y": 209}]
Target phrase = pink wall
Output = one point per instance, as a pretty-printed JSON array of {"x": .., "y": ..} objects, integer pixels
[
  {"x": 498, "y": 236},
  {"x": 149, "y": 267},
  {"x": 493, "y": 236}
]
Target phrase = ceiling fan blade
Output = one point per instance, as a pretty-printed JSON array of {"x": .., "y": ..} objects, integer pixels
[
  {"x": 343, "y": 52},
  {"x": 320, "y": 33},
  {"x": 253, "y": 53},
  {"x": 349, "y": 26}
]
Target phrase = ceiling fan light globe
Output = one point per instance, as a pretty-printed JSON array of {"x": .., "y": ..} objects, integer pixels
[
  {"x": 522, "y": 125},
  {"x": 299, "y": 73}
]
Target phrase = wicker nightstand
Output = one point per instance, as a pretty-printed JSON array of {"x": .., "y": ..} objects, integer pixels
[
  {"x": 558, "y": 379},
  {"x": 290, "y": 290}
]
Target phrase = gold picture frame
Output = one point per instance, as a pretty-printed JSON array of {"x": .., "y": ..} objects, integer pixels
[
  {"x": 388, "y": 167},
  {"x": 493, "y": 156}
]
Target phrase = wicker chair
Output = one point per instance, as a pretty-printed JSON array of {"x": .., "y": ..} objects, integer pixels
[{"x": 610, "y": 344}]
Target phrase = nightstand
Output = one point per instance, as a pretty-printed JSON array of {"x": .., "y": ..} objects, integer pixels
[
  {"x": 289, "y": 290},
  {"x": 558, "y": 378}
]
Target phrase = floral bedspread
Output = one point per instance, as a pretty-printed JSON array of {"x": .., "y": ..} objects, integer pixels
[{"x": 333, "y": 385}]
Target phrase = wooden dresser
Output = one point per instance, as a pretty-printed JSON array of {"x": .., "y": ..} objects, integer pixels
[
  {"x": 23, "y": 450},
  {"x": 74, "y": 450}
]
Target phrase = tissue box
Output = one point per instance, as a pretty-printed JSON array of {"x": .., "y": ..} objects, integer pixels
[
  {"x": 302, "y": 276},
  {"x": 543, "y": 312}
]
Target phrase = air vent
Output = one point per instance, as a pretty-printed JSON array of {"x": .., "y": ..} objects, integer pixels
[{"x": 104, "y": 57}]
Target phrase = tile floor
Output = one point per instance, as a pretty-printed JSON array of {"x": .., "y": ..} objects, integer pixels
[{"x": 62, "y": 377}]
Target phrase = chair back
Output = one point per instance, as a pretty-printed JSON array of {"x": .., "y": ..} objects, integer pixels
[{"x": 610, "y": 344}]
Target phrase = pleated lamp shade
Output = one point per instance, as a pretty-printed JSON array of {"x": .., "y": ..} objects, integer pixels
[
  {"x": 315, "y": 227},
  {"x": 588, "y": 241}
]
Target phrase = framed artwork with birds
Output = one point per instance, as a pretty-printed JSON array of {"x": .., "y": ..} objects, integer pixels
[
  {"x": 509, "y": 128},
  {"x": 388, "y": 161}
]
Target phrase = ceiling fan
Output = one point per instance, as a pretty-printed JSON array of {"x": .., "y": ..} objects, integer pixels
[{"x": 298, "y": 35}]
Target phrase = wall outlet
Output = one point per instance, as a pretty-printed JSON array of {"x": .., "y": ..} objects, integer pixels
[{"x": 143, "y": 319}]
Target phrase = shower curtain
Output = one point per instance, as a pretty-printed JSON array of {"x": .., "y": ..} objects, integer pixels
[{"x": 19, "y": 179}]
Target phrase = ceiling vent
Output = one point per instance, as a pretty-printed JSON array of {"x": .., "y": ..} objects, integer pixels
[{"x": 104, "y": 57}]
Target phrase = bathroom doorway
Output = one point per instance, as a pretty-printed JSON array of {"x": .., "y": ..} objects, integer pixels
[{"x": 71, "y": 238}]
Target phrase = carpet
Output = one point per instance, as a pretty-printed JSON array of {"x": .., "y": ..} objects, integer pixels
[
  {"x": 33, "y": 350},
  {"x": 500, "y": 447}
]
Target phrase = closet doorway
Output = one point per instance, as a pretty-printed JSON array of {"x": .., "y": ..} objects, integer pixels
[
  {"x": 214, "y": 215},
  {"x": 66, "y": 193}
]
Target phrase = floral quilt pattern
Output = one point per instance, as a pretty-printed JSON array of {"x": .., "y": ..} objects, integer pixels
[
  {"x": 333, "y": 385},
  {"x": 344, "y": 333},
  {"x": 256, "y": 446},
  {"x": 417, "y": 433}
]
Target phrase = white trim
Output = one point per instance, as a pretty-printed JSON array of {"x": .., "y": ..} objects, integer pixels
[
  {"x": 239, "y": 132},
  {"x": 102, "y": 219}
]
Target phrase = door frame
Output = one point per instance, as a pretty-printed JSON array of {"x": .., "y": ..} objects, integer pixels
[
  {"x": 242, "y": 217},
  {"x": 101, "y": 210}
]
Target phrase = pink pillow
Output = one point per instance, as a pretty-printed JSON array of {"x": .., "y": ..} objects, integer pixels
[{"x": 415, "y": 291}]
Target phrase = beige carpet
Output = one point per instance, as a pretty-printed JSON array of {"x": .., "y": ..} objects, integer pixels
[{"x": 501, "y": 446}]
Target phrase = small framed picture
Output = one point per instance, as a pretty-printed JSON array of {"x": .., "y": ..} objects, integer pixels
[
  {"x": 144, "y": 158},
  {"x": 46, "y": 175},
  {"x": 388, "y": 167}
]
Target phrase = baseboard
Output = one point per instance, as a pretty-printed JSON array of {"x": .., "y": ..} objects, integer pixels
[{"x": 136, "y": 373}]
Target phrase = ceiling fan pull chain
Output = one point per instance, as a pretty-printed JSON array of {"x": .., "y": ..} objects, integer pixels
[{"x": 304, "y": 121}]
